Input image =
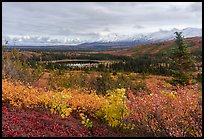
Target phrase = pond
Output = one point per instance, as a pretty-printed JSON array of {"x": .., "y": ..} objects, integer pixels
[{"x": 79, "y": 63}]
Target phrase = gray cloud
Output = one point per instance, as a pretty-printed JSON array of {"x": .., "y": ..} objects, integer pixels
[
  {"x": 87, "y": 20},
  {"x": 138, "y": 27},
  {"x": 106, "y": 29},
  {"x": 195, "y": 7}
]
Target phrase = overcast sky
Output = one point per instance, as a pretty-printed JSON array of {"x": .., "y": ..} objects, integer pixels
[{"x": 91, "y": 20}]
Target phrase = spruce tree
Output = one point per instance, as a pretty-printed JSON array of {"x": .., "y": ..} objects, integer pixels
[{"x": 181, "y": 61}]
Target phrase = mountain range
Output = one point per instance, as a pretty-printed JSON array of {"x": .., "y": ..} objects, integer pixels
[
  {"x": 129, "y": 41},
  {"x": 115, "y": 41},
  {"x": 194, "y": 44}
]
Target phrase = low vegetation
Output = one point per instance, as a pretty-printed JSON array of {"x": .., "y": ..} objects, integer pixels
[{"x": 138, "y": 97}]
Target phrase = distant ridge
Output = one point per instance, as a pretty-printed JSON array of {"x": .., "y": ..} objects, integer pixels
[
  {"x": 119, "y": 42},
  {"x": 194, "y": 44}
]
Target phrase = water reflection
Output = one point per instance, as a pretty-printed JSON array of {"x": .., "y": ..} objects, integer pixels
[{"x": 81, "y": 64}]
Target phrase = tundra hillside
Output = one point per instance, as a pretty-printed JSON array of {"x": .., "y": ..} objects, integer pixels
[{"x": 152, "y": 90}]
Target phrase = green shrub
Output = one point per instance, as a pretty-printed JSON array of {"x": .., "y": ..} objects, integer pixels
[
  {"x": 15, "y": 67},
  {"x": 199, "y": 77},
  {"x": 103, "y": 83},
  {"x": 115, "y": 110}
]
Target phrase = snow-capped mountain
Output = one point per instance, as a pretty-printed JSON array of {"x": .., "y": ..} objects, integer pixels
[
  {"x": 138, "y": 39},
  {"x": 192, "y": 32},
  {"x": 109, "y": 39},
  {"x": 159, "y": 35},
  {"x": 169, "y": 35}
]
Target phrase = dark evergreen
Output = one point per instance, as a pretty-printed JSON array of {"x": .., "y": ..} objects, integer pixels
[{"x": 181, "y": 62}]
